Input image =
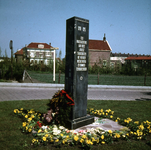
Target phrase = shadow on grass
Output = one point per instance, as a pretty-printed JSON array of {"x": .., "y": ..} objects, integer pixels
[{"x": 143, "y": 99}]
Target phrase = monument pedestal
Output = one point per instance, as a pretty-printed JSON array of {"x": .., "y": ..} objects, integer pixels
[
  {"x": 79, "y": 122},
  {"x": 76, "y": 70}
]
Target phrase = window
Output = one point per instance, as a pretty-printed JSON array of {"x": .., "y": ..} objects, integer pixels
[
  {"x": 112, "y": 64},
  {"x": 104, "y": 63}
]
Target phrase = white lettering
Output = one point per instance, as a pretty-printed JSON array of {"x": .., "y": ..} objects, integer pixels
[
  {"x": 81, "y": 53},
  {"x": 81, "y": 69},
  {"x": 81, "y": 65},
  {"x": 81, "y": 61}
]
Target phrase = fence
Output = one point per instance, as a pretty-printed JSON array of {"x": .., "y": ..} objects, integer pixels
[{"x": 94, "y": 79}]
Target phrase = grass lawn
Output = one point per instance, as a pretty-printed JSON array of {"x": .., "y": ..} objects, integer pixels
[
  {"x": 93, "y": 79},
  {"x": 11, "y": 137}
]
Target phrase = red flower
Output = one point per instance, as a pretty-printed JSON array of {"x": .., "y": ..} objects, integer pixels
[{"x": 39, "y": 124}]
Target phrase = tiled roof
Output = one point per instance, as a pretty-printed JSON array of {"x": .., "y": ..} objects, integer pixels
[
  {"x": 19, "y": 52},
  {"x": 35, "y": 45},
  {"x": 99, "y": 45},
  {"x": 139, "y": 58}
]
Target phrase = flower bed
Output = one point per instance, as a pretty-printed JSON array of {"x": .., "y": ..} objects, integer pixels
[{"x": 59, "y": 135}]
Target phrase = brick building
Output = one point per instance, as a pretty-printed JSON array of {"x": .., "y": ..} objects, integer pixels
[{"x": 99, "y": 52}]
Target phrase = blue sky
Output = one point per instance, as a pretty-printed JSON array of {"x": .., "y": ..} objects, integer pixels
[{"x": 126, "y": 23}]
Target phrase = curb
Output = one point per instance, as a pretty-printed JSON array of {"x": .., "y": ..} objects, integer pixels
[{"x": 61, "y": 86}]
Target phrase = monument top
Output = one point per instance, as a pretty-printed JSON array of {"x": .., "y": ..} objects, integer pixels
[{"x": 79, "y": 19}]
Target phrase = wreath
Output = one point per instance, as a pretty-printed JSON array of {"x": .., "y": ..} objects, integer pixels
[{"x": 59, "y": 109}]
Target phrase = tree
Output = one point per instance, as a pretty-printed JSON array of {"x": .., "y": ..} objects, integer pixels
[
  {"x": 0, "y": 52},
  {"x": 6, "y": 53},
  {"x": 60, "y": 54}
]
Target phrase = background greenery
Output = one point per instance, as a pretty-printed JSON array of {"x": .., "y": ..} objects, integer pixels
[
  {"x": 12, "y": 138},
  {"x": 123, "y": 75},
  {"x": 104, "y": 79}
]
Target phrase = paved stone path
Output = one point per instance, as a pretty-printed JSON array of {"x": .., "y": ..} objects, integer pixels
[{"x": 27, "y": 93}]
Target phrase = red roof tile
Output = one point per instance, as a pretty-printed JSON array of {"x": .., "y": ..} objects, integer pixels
[
  {"x": 35, "y": 45},
  {"x": 20, "y": 52},
  {"x": 99, "y": 45},
  {"x": 139, "y": 58}
]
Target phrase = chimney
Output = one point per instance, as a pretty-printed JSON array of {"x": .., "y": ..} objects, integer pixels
[
  {"x": 50, "y": 44},
  {"x": 104, "y": 38}
]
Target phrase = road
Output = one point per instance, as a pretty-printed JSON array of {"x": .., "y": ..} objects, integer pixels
[{"x": 27, "y": 93}]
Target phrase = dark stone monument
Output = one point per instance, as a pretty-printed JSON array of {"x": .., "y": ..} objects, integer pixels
[{"x": 76, "y": 70}]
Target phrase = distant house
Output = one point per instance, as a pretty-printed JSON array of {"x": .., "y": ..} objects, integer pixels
[
  {"x": 118, "y": 59},
  {"x": 99, "y": 52},
  {"x": 36, "y": 53},
  {"x": 139, "y": 61}
]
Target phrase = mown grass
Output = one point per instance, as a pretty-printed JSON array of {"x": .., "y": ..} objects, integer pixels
[
  {"x": 93, "y": 79},
  {"x": 12, "y": 138}
]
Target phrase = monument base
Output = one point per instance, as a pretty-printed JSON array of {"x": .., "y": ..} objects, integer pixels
[{"x": 79, "y": 122}]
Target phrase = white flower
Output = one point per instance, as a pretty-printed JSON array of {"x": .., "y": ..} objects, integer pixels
[
  {"x": 61, "y": 127},
  {"x": 53, "y": 114},
  {"x": 56, "y": 131},
  {"x": 44, "y": 127}
]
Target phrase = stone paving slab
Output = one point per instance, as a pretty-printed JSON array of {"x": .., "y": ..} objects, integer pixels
[{"x": 106, "y": 124}]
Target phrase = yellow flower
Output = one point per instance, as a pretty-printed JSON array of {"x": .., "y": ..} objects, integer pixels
[
  {"x": 136, "y": 122},
  {"x": 84, "y": 136},
  {"x": 131, "y": 132},
  {"x": 32, "y": 116},
  {"x": 24, "y": 124},
  {"x": 39, "y": 130},
  {"x": 44, "y": 138},
  {"x": 101, "y": 110},
  {"x": 29, "y": 119},
  {"x": 29, "y": 130},
  {"x": 106, "y": 114},
  {"x": 97, "y": 140},
  {"x": 15, "y": 110},
  {"x": 112, "y": 112},
  {"x": 34, "y": 140},
  {"x": 61, "y": 134},
  {"x": 102, "y": 137},
  {"x": 26, "y": 116},
  {"x": 89, "y": 142},
  {"x": 127, "y": 134},
  {"x": 117, "y": 135},
  {"x": 21, "y": 109},
  {"x": 129, "y": 119},
  {"x": 103, "y": 142},
  {"x": 110, "y": 131},
  {"x": 139, "y": 138},
  {"x": 46, "y": 135},
  {"x": 116, "y": 120},
  {"x": 93, "y": 139},
  {"x": 76, "y": 138},
  {"x": 141, "y": 127},
  {"x": 67, "y": 136},
  {"x": 82, "y": 140},
  {"x": 57, "y": 140},
  {"x": 111, "y": 116},
  {"x": 63, "y": 141}
]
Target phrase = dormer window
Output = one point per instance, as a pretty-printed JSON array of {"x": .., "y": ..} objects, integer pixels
[{"x": 40, "y": 46}]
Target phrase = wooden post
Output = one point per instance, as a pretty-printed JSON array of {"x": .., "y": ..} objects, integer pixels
[
  {"x": 98, "y": 78},
  {"x": 59, "y": 76},
  {"x": 145, "y": 80}
]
